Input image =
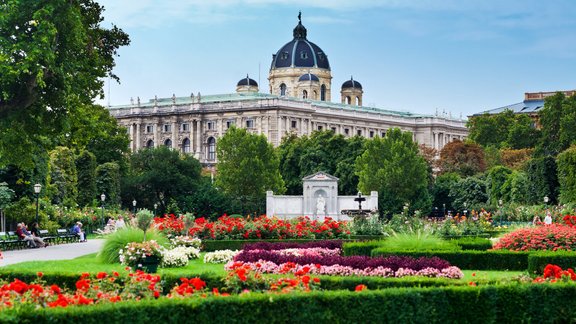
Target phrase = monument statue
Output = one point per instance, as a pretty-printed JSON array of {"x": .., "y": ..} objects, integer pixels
[{"x": 320, "y": 206}]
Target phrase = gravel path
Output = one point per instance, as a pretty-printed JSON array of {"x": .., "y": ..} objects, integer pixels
[{"x": 52, "y": 252}]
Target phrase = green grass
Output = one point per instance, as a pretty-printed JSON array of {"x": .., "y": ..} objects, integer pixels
[
  {"x": 483, "y": 275},
  {"x": 418, "y": 241},
  {"x": 91, "y": 263}
]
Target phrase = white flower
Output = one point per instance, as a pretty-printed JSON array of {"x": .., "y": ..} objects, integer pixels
[{"x": 220, "y": 256}]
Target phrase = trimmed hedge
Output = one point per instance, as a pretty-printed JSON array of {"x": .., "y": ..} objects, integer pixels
[
  {"x": 360, "y": 248},
  {"x": 215, "y": 245},
  {"x": 474, "y": 243},
  {"x": 538, "y": 260},
  {"x": 474, "y": 260},
  {"x": 488, "y": 304}
]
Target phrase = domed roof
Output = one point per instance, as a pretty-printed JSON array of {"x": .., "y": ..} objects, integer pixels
[
  {"x": 308, "y": 77},
  {"x": 351, "y": 84},
  {"x": 247, "y": 82},
  {"x": 300, "y": 52}
]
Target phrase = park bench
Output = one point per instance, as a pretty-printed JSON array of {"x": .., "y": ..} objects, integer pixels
[
  {"x": 66, "y": 236},
  {"x": 45, "y": 235},
  {"x": 7, "y": 242},
  {"x": 15, "y": 242}
]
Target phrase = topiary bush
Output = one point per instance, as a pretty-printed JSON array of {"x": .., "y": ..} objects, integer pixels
[
  {"x": 118, "y": 240},
  {"x": 473, "y": 243}
]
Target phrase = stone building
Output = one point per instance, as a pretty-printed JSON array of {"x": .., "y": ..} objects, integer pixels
[{"x": 299, "y": 103}]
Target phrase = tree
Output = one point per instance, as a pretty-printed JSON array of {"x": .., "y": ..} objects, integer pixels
[
  {"x": 557, "y": 119},
  {"x": 567, "y": 175},
  {"x": 86, "y": 168},
  {"x": 522, "y": 134},
  {"x": 466, "y": 159},
  {"x": 470, "y": 191},
  {"x": 108, "y": 182},
  {"x": 247, "y": 167},
  {"x": 158, "y": 175},
  {"x": 542, "y": 180},
  {"x": 515, "y": 189},
  {"x": 290, "y": 151},
  {"x": 393, "y": 167},
  {"x": 54, "y": 57},
  {"x": 497, "y": 176},
  {"x": 441, "y": 190},
  {"x": 490, "y": 129},
  {"x": 348, "y": 179},
  {"x": 63, "y": 177}
]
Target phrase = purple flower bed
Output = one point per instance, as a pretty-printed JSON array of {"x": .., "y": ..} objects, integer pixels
[
  {"x": 355, "y": 262},
  {"x": 268, "y": 246}
]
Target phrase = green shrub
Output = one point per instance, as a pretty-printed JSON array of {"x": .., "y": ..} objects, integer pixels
[
  {"x": 538, "y": 260},
  {"x": 473, "y": 260},
  {"x": 118, "y": 240},
  {"x": 488, "y": 304},
  {"x": 474, "y": 243},
  {"x": 210, "y": 246},
  {"x": 419, "y": 241},
  {"x": 360, "y": 248}
]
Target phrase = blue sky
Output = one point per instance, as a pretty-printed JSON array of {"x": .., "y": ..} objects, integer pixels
[{"x": 456, "y": 56}]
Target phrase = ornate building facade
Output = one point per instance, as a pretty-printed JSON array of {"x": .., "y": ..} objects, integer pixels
[{"x": 299, "y": 103}]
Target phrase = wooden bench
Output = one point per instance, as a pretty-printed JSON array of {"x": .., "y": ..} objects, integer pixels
[
  {"x": 67, "y": 236},
  {"x": 16, "y": 242},
  {"x": 45, "y": 235}
]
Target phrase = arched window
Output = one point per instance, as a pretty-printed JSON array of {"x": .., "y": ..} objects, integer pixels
[
  {"x": 186, "y": 146},
  {"x": 150, "y": 144},
  {"x": 357, "y": 101},
  {"x": 211, "y": 148},
  {"x": 348, "y": 100},
  {"x": 282, "y": 89},
  {"x": 323, "y": 93},
  {"x": 304, "y": 94},
  {"x": 315, "y": 95},
  {"x": 168, "y": 143}
]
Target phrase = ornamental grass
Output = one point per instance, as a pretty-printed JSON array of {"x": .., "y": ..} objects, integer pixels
[{"x": 540, "y": 238}]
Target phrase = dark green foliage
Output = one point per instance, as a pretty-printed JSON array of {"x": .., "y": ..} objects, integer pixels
[
  {"x": 63, "y": 177},
  {"x": 348, "y": 179},
  {"x": 497, "y": 176},
  {"x": 470, "y": 259},
  {"x": 505, "y": 129},
  {"x": 486, "y": 304},
  {"x": 538, "y": 260},
  {"x": 557, "y": 119},
  {"x": 463, "y": 158},
  {"x": 393, "y": 166},
  {"x": 471, "y": 190},
  {"x": 108, "y": 182},
  {"x": 542, "y": 180},
  {"x": 360, "y": 248},
  {"x": 86, "y": 167},
  {"x": 515, "y": 189},
  {"x": 567, "y": 175},
  {"x": 441, "y": 191},
  {"x": 474, "y": 243}
]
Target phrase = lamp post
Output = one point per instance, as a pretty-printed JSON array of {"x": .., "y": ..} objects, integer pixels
[
  {"x": 134, "y": 205},
  {"x": 444, "y": 209},
  {"x": 103, "y": 198},
  {"x": 37, "y": 188},
  {"x": 155, "y": 206},
  {"x": 546, "y": 200},
  {"x": 500, "y": 210},
  {"x": 465, "y": 210}
]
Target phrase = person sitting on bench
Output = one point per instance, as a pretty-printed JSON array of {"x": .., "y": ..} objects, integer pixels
[
  {"x": 24, "y": 235},
  {"x": 77, "y": 229}
]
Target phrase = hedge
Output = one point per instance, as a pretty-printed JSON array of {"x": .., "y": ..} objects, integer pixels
[
  {"x": 544, "y": 303},
  {"x": 215, "y": 245},
  {"x": 474, "y": 260},
  {"x": 538, "y": 260},
  {"x": 474, "y": 243},
  {"x": 360, "y": 248}
]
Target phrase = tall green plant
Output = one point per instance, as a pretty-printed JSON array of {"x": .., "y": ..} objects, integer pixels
[
  {"x": 418, "y": 241},
  {"x": 144, "y": 219},
  {"x": 567, "y": 175},
  {"x": 108, "y": 182},
  {"x": 119, "y": 239},
  {"x": 86, "y": 166}
]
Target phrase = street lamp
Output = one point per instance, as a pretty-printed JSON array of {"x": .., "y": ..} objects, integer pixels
[
  {"x": 134, "y": 205},
  {"x": 444, "y": 209},
  {"x": 500, "y": 210},
  {"x": 155, "y": 206},
  {"x": 37, "y": 188},
  {"x": 546, "y": 200},
  {"x": 103, "y": 198},
  {"x": 465, "y": 210}
]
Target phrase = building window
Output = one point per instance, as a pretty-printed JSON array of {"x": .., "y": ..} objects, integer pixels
[
  {"x": 211, "y": 148},
  {"x": 210, "y": 125},
  {"x": 371, "y": 134},
  {"x": 186, "y": 146},
  {"x": 320, "y": 128},
  {"x": 323, "y": 93},
  {"x": 346, "y": 131},
  {"x": 333, "y": 129},
  {"x": 284, "y": 56},
  {"x": 359, "y": 132},
  {"x": 321, "y": 56},
  {"x": 304, "y": 94},
  {"x": 348, "y": 100},
  {"x": 383, "y": 134},
  {"x": 282, "y": 89},
  {"x": 149, "y": 128},
  {"x": 168, "y": 143},
  {"x": 303, "y": 55},
  {"x": 150, "y": 144},
  {"x": 185, "y": 127},
  {"x": 315, "y": 95},
  {"x": 250, "y": 123},
  {"x": 167, "y": 128},
  {"x": 293, "y": 124},
  {"x": 230, "y": 123}
]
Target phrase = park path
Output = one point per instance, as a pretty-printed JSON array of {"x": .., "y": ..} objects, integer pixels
[{"x": 53, "y": 252}]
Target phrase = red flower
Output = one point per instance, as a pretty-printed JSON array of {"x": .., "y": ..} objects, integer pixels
[
  {"x": 101, "y": 275},
  {"x": 40, "y": 274},
  {"x": 360, "y": 288}
]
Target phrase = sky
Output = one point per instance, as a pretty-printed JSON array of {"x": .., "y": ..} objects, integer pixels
[{"x": 421, "y": 56}]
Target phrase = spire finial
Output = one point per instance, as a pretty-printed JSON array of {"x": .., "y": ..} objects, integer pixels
[{"x": 300, "y": 16}]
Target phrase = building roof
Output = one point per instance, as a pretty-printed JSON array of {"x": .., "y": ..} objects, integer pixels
[
  {"x": 247, "y": 82},
  {"x": 300, "y": 52},
  {"x": 524, "y": 107},
  {"x": 308, "y": 77},
  {"x": 351, "y": 84}
]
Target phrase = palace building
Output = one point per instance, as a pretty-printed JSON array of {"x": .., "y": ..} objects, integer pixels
[{"x": 298, "y": 102}]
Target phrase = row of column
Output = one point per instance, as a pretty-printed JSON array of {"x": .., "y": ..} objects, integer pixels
[{"x": 441, "y": 139}]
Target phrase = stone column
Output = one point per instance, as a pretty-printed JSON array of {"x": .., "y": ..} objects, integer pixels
[
  {"x": 436, "y": 140},
  {"x": 175, "y": 144},
  {"x": 156, "y": 134},
  {"x": 138, "y": 143}
]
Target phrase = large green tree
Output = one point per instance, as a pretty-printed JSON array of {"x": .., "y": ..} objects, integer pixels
[
  {"x": 505, "y": 129},
  {"x": 86, "y": 168},
  {"x": 248, "y": 166},
  {"x": 393, "y": 166},
  {"x": 567, "y": 175},
  {"x": 558, "y": 120},
  {"x": 63, "y": 176},
  {"x": 158, "y": 175},
  {"x": 54, "y": 56}
]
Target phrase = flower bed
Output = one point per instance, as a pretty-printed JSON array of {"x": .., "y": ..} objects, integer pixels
[
  {"x": 332, "y": 244},
  {"x": 220, "y": 256},
  {"x": 229, "y": 228},
  {"x": 549, "y": 237}
]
